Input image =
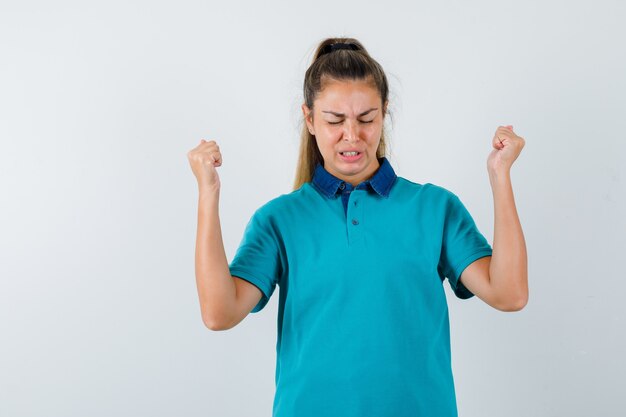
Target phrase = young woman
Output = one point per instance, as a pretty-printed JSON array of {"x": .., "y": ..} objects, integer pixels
[{"x": 360, "y": 255}]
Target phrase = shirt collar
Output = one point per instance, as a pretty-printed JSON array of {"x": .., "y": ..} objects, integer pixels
[{"x": 380, "y": 182}]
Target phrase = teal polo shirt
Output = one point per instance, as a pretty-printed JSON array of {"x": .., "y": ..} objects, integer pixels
[{"x": 363, "y": 326}]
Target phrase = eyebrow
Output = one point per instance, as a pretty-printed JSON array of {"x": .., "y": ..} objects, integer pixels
[{"x": 341, "y": 114}]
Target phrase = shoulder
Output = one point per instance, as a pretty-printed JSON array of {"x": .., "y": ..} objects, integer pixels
[
  {"x": 428, "y": 190},
  {"x": 285, "y": 202}
]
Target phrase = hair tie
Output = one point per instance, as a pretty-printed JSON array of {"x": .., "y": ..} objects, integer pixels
[{"x": 336, "y": 46}]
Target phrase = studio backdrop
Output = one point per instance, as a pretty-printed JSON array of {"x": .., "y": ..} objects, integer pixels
[{"x": 101, "y": 101}]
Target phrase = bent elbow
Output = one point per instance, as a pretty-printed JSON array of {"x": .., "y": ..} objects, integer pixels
[
  {"x": 514, "y": 305},
  {"x": 213, "y": 324}
]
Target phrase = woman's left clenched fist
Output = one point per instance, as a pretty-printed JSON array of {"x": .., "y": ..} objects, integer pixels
[{"x": 507, "y": 147}]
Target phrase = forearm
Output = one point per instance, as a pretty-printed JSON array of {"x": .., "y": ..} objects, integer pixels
[
  {"x": 508, "y": 269},
  {"x": 216, "y": 287}
]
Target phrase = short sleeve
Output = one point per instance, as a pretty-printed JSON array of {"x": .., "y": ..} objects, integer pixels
[
  {"x": 257, "y": 259},
  {"x": 462, "y": 244}
]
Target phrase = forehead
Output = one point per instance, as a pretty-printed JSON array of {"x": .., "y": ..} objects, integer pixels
[{"x": 347, "y": 94}]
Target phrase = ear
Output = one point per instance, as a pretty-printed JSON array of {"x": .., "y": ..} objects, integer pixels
[
  {"x": 308, "y": 118},
  {"x": 385, "y": 107}
]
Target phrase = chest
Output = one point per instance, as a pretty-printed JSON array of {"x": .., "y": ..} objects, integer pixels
[{"x": 372, "y": 249}]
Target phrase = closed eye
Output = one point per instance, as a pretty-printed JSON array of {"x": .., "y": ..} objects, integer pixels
[{"x": 362, "y": 121}]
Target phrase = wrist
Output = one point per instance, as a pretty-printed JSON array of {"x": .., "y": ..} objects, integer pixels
[
  {"x": 500, "y": 175},
  {"x": 208, "y": 191}
]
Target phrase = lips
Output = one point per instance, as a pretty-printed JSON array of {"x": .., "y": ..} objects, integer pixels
[{"x": 347, "y": 158}]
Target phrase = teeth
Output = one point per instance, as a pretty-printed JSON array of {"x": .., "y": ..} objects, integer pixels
[{"x": 350, "y": 153}]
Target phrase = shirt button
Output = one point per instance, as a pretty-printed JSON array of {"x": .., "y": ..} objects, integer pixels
[
  {"x": 355, "y": 222},
  {"x": 342, "y": 186}
]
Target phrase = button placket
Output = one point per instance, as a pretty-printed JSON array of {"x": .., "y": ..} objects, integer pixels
[{"x": 354, "y": 218}]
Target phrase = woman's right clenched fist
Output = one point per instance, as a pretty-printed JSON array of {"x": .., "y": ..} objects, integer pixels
[{"x": 203, "y": 159}]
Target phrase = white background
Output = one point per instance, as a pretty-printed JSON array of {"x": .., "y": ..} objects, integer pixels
[{"x": 100, "y": 103}]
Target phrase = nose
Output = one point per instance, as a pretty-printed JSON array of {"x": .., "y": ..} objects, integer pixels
[{"x": 351, "y": 132}]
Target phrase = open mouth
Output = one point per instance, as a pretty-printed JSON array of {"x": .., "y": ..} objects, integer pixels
[{"x": 350, "y": 156}]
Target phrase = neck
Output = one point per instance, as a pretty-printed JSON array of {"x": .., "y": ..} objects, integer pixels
[{"x": 354, "y": 181}]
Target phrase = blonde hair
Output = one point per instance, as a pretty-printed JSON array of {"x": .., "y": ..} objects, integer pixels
[{"x": 342, "y": 64}]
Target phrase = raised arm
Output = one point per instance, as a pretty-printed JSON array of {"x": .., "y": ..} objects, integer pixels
[
  {"x": 501, "y": 280},
  {"x": 224, "y": 300}
]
